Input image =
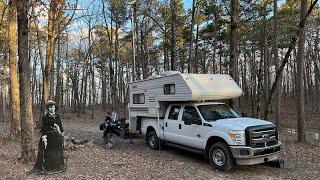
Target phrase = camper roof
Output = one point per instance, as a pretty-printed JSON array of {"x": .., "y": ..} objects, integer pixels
[
  {"x": 190, "y": 87},
  {"x": 211, "y": 86}
]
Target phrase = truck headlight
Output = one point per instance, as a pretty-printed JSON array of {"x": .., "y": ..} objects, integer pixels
[{"x": 238, "y": 137}]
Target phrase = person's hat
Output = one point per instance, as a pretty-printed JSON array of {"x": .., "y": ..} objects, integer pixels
[{"x": 50, "y": 103}]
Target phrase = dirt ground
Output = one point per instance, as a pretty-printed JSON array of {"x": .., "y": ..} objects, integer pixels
[{"x": 138, "y": 161}]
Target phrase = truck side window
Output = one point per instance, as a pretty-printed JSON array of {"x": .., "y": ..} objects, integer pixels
[
  {"x": 190, "y": 113},
  {"x": 174, "y": 112}
]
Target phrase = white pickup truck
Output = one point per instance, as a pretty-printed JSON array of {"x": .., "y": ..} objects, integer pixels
[{"x": 215, "y": 130}]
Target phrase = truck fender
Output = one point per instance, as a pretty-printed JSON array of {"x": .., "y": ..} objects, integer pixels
[
  {"x": 149, "y": 125},
  {"x": 219, "y": 134},
  {"x": 213, "y": 138}
]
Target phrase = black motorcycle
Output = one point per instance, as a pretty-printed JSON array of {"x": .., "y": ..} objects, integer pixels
[{"x": 110, "y": 131}]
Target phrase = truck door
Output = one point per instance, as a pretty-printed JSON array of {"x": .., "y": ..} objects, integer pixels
[
  {"x": 171, "y": 125},
  {"x": 191, "y": 128}
]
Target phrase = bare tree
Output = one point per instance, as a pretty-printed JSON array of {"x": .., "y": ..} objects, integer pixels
[
  {"x": 235, "y": 4},
  {"x": 190, "y": 62},
  {"x": 173, "y": 6},
  {"x": 3, "y": 84},
  {"x": 14, "y": 81},
  {"x": 276, "y": 58},
  {"x": 300, "y": 72},
  {"x": 27, "y": 132},
  {"x": 54, "y": 16}
]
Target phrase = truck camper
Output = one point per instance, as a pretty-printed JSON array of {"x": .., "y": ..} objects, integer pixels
[{"x": 183, "y": 110}]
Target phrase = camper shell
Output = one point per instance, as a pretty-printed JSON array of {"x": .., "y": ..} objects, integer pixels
[{"x": 150, "y": 97}]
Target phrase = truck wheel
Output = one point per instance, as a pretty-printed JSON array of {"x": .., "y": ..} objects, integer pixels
[
  {"x": 220, "y": 156},
  {"x": 153, "y": 140}
]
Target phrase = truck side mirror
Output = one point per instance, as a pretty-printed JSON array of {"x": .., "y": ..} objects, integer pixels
[
  {"x": 199, "y": 122},
  {"x": 244, "y": 114},
  {"x": 241, "y": 113}
]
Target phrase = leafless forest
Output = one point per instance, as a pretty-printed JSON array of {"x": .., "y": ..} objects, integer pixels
[{"x": 84, "y": 53}]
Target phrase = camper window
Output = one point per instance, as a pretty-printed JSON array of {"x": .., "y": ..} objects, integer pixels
[
  {"x": 169, "y": 89},
  {"x": 174, "y": 112},
  {"x": 138, "y": 99}
]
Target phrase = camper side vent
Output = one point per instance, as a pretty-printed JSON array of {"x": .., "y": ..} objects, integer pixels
[{"x": 152, "y": 99}]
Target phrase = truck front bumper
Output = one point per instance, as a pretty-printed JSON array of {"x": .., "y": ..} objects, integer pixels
[{"x": 248, "y": 156}]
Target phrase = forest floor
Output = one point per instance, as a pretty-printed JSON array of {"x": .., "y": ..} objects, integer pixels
[
  {"x": 288, "y": 113},
  {"x": 138, "y": 161}
]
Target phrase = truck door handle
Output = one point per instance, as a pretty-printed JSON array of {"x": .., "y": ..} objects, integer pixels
[
  {"x": 198, "y": 135},
  {"x": 166, "y": 124},
  {"x": 179, "y": 126}
]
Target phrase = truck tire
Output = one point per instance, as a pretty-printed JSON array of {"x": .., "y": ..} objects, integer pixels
[
  {"x": 220, "y": 156},
  {"x": 153, "y": 140}
]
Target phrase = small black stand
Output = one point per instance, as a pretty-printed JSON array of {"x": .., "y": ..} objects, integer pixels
[
  {"x": 130, "y": 138},
  {"x": 276, "y": 163}
]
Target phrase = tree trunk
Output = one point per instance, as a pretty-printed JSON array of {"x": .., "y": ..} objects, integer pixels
[
  {"x": 34, "y": 83},
  {"x": 165, "y": 49},
  {"x": 253, "y": 80},
  {"x": 173, "y": 35},
  {"x": 235, "y": 4},
  {"x": 14, "y": 80},
  {"x": 300, "y": 79},
  {"x": 93, "y": 83},
  {"x": 58, "y": 75},
  {"x": 317, "y": 88},
  {"x": 103, "y": 86},
  {"x": 49, "y": 61},
  {"x": 214, "y": 54},
  {"x": 190, "y": 62},
  {"x": 52, "y": 32},
  {"x": 117, "y": 59},
  {"x": 316, "y": 68},
  {"x": 3, "y": 89},
  {"x": 36, "y": 24},
  {"x": 276, "y": 59},
  {"x": 264, "y": 56},
  {"x": 27, "y": 132},
  {"x": 195, "y": 63}
]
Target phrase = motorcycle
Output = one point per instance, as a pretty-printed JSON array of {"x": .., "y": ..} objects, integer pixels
[{"x": 110, "y": 131}]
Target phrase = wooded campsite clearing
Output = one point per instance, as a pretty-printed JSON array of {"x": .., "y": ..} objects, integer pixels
[{"x": 138, "y": 161}]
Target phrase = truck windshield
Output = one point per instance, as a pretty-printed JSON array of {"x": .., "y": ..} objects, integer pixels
[{"x": 212, "y": 112}]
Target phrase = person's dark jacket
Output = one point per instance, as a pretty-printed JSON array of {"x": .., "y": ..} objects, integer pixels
[
  {"x": 48, "y": 122},
  {"x": 108, "y": 119}
]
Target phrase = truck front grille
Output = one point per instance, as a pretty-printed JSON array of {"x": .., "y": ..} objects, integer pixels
[{"x": 261, "y": 136}]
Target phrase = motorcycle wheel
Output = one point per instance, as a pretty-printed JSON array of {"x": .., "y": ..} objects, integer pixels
[{"x": 109, "y": 141}]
